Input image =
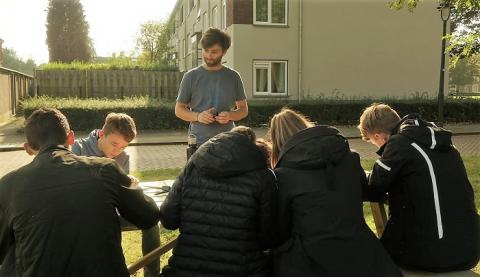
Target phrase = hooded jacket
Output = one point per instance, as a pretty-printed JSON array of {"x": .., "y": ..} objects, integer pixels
[
  {"x": 89, "y": 147},
  {"x": 223, "y": 203},
  {"x": 433, "y": 223},
  {"x": 322, "y": 231}
]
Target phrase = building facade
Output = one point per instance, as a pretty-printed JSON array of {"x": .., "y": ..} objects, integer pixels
[{"x": 317, "y": 49}]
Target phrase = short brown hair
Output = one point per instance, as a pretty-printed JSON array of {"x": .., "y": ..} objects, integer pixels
[
  {"x": 377, "y": 118},
  {"x": 215, "y": 36},
  {"x": 120, "y": 123},
  {"x": 247, "y": 131},
  {"x": 284, "y": 125},
  {"x": 46, "y": 127},
  {"x": 266, "y": 148}
]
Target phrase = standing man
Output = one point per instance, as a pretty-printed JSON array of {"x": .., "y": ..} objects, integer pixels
[
  {"x": 59, "y": 212},
  {"x": 211, "y": 96}
]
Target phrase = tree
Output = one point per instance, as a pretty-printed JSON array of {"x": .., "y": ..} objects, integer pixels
[
  {"x": 67, "y": 32},
  {"x": 153, "y": 42},
  {"x": 12, "y": 61},
  {"x": 465, "y": 19},
  {"x": 464, "y": 71}
]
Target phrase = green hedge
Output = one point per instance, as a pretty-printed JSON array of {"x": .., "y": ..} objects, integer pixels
[{"x": 86, "y": 114}]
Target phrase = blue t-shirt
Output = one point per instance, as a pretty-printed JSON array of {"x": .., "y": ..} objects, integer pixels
[{"x": 201, "y": 90}]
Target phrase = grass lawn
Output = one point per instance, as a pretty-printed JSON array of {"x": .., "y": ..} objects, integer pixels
[{"x": 131, "y": 241}]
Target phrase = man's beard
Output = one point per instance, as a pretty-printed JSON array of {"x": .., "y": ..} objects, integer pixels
[{"x": 213, "y": 63}]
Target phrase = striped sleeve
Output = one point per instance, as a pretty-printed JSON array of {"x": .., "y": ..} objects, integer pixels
[{"x": 386, "y": 171}]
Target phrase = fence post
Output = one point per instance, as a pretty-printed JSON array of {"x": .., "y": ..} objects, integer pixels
[{"x": 86, "y": 83}]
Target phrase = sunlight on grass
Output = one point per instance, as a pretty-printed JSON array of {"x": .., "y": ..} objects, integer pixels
[{"x": 132, "y": 240}]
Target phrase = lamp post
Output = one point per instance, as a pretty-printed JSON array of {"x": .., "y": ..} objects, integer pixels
[{"x": 445, "y": 10}]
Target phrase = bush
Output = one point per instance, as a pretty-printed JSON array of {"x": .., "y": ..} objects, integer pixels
[{"x": 87, "y": 114}]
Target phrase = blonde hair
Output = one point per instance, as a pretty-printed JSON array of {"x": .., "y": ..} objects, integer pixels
[
  {"x": 377, "y": 118},
  {"x": 120, "y": 123},
  {"x": 284, "y": 125}
]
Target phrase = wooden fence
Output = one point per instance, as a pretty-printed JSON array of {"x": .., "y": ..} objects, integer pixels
[{"x": 107, "y": 83}]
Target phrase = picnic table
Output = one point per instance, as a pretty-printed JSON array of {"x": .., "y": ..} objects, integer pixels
[{"x": 158, "y": 191}]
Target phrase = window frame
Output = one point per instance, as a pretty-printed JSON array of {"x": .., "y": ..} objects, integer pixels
[
  {"x": 267, "y": 64},
  {"x": 269, "y": 10}
]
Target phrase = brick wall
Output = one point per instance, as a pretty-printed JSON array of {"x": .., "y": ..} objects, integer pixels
[{"x": 239, "y": 12}]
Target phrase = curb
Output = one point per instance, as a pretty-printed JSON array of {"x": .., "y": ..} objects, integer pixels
[{"x": 11, "y": 148}]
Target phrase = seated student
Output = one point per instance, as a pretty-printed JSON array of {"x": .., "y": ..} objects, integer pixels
[
  {"x": 223, "y": 203},
  {"x": 433, "y": 223},
  {"x": 321, "y": 228},
  {"x": 59, "y": 212},
  {"x": 110, "y": 141}
]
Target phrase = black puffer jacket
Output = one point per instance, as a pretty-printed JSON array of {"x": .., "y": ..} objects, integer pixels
[
  {"x": 223, "y": 204},
  {"x": 433, "y": 222},
  {"x": 321, "y": 224}
]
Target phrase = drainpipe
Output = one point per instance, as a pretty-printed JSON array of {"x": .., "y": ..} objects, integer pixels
[{"x": 300, "y": 64}]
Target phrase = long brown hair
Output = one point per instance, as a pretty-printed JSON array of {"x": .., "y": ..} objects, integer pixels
[{"x": 283, "y": 125}]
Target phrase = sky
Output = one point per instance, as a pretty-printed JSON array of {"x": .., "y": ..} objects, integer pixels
[{"x": 114, "y": 24}]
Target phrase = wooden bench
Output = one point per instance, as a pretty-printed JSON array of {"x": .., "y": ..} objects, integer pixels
[
  {"x": 379, "y": 217},
  {"x": 150, "y": 257}
]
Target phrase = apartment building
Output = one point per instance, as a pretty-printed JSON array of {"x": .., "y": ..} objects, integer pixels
[{"x": 317, "y": 49}]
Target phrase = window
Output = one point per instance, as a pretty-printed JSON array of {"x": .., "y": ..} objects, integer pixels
[
  {"x": 193, "y": 43},
  {"x": 224, "y": 14},
  {"x": 181, "y": 14},
  {"x": 215, "y": 17},
  {"x": 272, "y": 12},
  {"x": 178, "y": 48},
  {"x": 270, "y": 77},
  {"x": 184, "y": 48},
  {"x": 205, "y": 22},
  {"x": 191, "y": 4}
]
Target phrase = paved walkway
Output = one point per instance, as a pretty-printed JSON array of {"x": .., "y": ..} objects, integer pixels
[{"x": 161, "y": 149}]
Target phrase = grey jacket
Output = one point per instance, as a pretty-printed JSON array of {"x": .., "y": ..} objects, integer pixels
[{"x": 88, "y": 147}]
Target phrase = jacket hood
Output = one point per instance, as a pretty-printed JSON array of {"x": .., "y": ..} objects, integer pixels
[
  {"x": 228, "y": 154},
  {"x": 90, "y": 144},
  {"x": 425, "y": 133},
  {"x": 316, "y": 147}
]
